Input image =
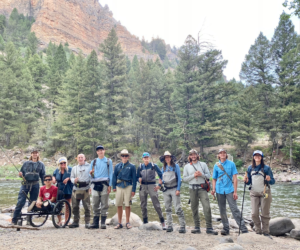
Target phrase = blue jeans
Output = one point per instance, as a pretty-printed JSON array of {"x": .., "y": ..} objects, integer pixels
[{"x": 22, "y": 199}]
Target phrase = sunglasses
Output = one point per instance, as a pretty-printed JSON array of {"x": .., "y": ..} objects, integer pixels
[
  {"x": 62, "y": 163},
  {"x": 125, "y": 156},
  {"x": 48, "y": 180}
]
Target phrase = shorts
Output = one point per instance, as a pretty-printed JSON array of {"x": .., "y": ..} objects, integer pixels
[
  {"x": 67, "y": 196},
  {"x": 123, "y": 195}
]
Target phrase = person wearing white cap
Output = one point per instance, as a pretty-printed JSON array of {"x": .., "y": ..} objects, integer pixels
[
  {"x": 171, "y": 179},
  {"x": 224, "y": 174},
  {"x": 260, "y": 177},
  {"x": 124, "y": 184}
]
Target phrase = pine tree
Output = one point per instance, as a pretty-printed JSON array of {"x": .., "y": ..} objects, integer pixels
[
  {"x": 33, "y": 43},
  {"x": 2, "y": 43},
  {"x": 38, "y": 71},
  {"x": 115, "y": 89}
]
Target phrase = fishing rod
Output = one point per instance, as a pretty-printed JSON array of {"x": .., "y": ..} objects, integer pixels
[{"x": 12, "y": 163}]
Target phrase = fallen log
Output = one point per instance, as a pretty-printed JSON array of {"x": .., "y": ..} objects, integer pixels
[{"x": 20, "y": 227}]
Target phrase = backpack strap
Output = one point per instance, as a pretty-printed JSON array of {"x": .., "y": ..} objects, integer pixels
[
  {"x": 108, "y": 165},
  {"x": 222, "y": 168},
  {"x": 152, "y": 166}
]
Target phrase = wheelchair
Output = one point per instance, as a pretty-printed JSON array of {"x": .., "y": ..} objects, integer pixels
[{"x": 58, "y": 210}]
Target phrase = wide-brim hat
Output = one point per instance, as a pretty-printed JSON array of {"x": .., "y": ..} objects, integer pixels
[
  {"x": 167, "y": 153},
  {"x": 123, "y": 152}
]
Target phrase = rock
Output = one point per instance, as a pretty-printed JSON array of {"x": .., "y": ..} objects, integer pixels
[
  {"x": 150, "y": 226},
  {"x": 295, "y": 234},
  {"x": 216, "y": 217},
  {"x": 134, "y": 220},
  {"x": 17, "y": 152},
  {"x": 228, "y": 246},
  {"x": 296, "y": 182},
  {"x": 108, "y": 221},
  {"x": 296, "y": 223},
  {"x": 29, "y": 149},
  {"x": 280, "y": 226},
  {"x": 190, "y": 248},
  {"x": 45, "y": 159},
  {"x": 143, "y": 248},
  {"x": 226, "y": 240},
  {"x": 232, "y": 223},
  {"x": 249, "y": 238},
  {"x": 9, "y": 210}
]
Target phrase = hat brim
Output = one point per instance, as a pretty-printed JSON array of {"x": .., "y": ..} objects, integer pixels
[
  {"x": 162, "y": 158},
  {"x": 119, "y": 155}
]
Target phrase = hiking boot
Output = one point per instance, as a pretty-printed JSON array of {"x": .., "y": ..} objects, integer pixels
[
  {"x": 196, "y": 230},
  {"x": 245, "y": 232},
  {"x": 182, "y": 230},
  {"x": 268, "y": 235},
  {"x": 103, "y": 220},
  {"x": 95, "y": 224},
  {"x": 31, "y": 206},
  {"x": 169, "y": 229},
  {"x": 260, "y": 233},
  {"x": 163, "y": 225},
  {"x": 145, "y": 220},
  {"x": 211, "y": 231},
  {"x": 87, "y": 225},
  {"x": 224, "y": 232},
  {"x": 73, "y": 225}
]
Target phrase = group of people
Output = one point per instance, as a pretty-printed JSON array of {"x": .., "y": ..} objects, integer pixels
[{"x": 99, "y": 178}]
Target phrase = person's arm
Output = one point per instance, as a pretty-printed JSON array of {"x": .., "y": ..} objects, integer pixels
[
  {"x": 39, "y": 201},
  {"x": 177, "y": 171},
  {"x": 42, "y": 174},
  {"x": 138, "y": 173},
  {"x": 133, "y": 172},
  {"x": 215, "y": 177},
  {"x": 91, "y": 168},
  {"x": 270, "y": 173},
  {"x": 111, "y": 172},
  {"x": 53, "y": 199},
  {"x": 158, "y": 171},
  {"x": 249, "y": 176},
  {"x": 114, "y": 179},
  {"x": 22, "y": 170},
  {"x": 235, "y": 184},
  {"x": 206, "y": 171},
  {"x": 186, "y": 177},
  {"x": 73, "y": 174}
]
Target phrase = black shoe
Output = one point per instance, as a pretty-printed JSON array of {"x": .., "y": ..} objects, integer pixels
[
  {"x": 87, "y": 225},
  {"x": 224, "y": 232},
  {"x": 211, "y": 231},
  {"x": 245, "y": 232},
  {"x": 73, "y": 225},
  {"x": 182, "y": 230},
  {"x": 196, "y": 230},
  {"x": 95, "y": 224},
  {"x": 145, "y": 220},
  {"x": 103, "y": 220},
  {"x": 169, "y": 229},
  {"x": 268, "y": 235}
]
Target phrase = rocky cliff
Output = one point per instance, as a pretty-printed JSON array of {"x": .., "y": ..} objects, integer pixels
[{"x": 84, "y": 24}]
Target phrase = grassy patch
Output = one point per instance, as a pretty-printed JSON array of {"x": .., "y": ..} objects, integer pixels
[{"x": 10, "y": 172}]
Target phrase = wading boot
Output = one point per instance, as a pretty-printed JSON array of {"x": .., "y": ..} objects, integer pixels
[
  {"x": 169, "y": 229},
  {"x": 145, "y": 220},
  {"x": 269, "y": 236},
  {"x": 73, "y": 225},
  {"x": 182, "y": 230},
  {"x": 196, "y": 230},
  {"x": 103, "y": 220},
  {"x": 211, "y": 231},
  {"x": 87, "y": 225},
  {"x": 224, "y": 232},
  {"x": 95, "y": 224}
]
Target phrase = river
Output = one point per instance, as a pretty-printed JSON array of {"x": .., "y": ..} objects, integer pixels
[{"x": 285, "y": 203}]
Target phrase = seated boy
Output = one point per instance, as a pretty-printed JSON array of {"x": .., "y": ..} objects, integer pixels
[{"x": 47, "y": 193}]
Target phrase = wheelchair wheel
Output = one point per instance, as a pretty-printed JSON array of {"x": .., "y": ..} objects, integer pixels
[
  {"x": 61, "y": 214},
  {"x": 37, "y": 220}
]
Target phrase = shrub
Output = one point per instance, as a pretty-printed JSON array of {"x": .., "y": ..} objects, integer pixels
[
  {"x": 239, "y": 163},
  {"x": 296, "y": 153}
]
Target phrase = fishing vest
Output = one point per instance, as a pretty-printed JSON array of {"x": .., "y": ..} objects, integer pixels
[
  {"x": 148, "y": 175},
  {"x": 170, "y": 179},
  {"x": 31, "y": 174},
  {"x": 258, "y": 181}
]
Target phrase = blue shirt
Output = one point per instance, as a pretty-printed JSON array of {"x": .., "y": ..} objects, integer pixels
[
  {"x": 128, "y": 174},
  {"x": 149, "y": 166},
  {"x": 177, "y": 171},
  {"x": 267, "y": 170},
  {"x": 101, "y": 170},
  {"x": 66, "y": 188},
  {"x": 224, "y": 184}
]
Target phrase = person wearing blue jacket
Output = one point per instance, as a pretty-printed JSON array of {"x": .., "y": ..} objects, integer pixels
[
  {"x": 172, "y": 183},
  {"x": 124, "y": 184},
  {"x": 101, "y": 172},
  {"x": 260, "y": 177}
]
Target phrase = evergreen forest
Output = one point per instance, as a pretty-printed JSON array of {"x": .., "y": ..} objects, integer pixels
[{"x": 70, "y": 103}]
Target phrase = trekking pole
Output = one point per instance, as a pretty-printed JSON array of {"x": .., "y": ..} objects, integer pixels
[{"x": 242, "y": 206}]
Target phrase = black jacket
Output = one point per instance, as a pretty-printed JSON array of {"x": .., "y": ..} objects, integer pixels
[{"x": 28, "y": 166}]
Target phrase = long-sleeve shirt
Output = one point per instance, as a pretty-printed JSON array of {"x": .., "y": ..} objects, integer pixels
[
  {"x": 177, "y": 171},
  {"x": 149, "y": 166},
  {"x": 83, "y": 174},
  {"x": 224, "y": 184},
  {"x": 127, "y": 175},
  {"x": 189, "y": 171},
  {"x": 38, "y": 167},
  {"x": 101, "y": 170},
  {"x": 267, "y": 170}
]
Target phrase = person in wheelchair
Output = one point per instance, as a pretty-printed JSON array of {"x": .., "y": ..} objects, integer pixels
[{"x": 47, "y": 196}]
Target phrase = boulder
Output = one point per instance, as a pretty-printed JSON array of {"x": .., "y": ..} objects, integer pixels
[
  {"x": 216, "y": 217},
  {"x": 232, "y": 223},
  {"x": 280, "y": 226},
  {"x": 228, "y": 246},
  {"x": 296, "y": 223},
  {"x": 295, "y": 234},
  {"x": 150, "y": 226},
  {"x": 134, "y": 220},
  {"x": 29, "y": 149},
  {"x": 249, "y": 238},
  {"x": 9, "y": 210},
  {"x": 225, "y": 240}
]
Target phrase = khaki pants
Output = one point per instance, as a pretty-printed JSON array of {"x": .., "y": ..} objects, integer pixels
[
  {"x": 195, "y": 195},
  {"x": 85, "y": 202},
  {"x": 100, "y": 198},
  {"x": 123, "y": 195},
  {"x": 257, "y": 200}
]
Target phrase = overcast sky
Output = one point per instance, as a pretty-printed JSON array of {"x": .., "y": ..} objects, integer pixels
[{"x": 232, "y": 25}]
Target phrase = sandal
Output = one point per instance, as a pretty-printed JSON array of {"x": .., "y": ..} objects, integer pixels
[
  {"x": 128, "y": 226},
  {"x": 119, "y": 226}
]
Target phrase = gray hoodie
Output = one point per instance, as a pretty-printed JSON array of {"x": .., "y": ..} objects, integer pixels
[
  {"x": 189, "y": 171},
  {"x": 83, "y": 173}
]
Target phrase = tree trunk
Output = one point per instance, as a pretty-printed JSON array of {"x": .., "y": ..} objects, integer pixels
[
  {"x": 7, "y": 140},
  {"x": 291, "y": 151}
]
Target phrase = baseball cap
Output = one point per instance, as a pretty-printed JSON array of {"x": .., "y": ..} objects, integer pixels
[
  {"x": 258, "y": 152},
  {"x": 99, "y": 147},
  {"x": 146, "y": 154},
  {"x": 222, "y": 150}
]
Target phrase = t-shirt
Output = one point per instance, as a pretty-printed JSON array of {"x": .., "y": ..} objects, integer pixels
[{"x": 47, "y": 194}]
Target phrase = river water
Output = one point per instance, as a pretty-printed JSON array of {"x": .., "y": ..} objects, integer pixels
[{"x": 285, "y": 203}]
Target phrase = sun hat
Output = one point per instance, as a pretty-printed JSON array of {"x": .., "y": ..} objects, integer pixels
[
  {"x": 123, "y": 152},
  {"x": 193, "y": 151},
  {"x": 222, "y": 150},
  {"x": 162, "y": 158},
  {"x": 258, "y": 152},
  {"x": 145, "y": 154}
]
